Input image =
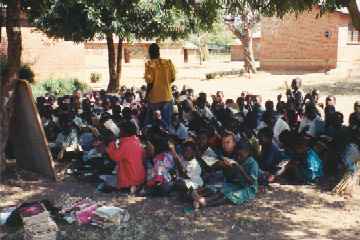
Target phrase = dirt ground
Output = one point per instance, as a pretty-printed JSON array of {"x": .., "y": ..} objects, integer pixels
[
  {"x": 282, "y": 212},
  {"x": 343, "y": 83}
]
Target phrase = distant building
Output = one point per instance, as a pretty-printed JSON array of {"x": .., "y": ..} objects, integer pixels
[
  {"x": 60, "y": 58},
  {"x": 305, "y": 42},
  {"x": 308, "y": 43}
]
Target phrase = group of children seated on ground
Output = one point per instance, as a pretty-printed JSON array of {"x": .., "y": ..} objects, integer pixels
[{"x": 209, "y": 153}]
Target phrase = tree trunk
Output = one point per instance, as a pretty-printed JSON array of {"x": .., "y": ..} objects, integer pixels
[
  {"x": 246, "y": 40},
  {"x": 249, "y": 62},
  {"x": 127, "y": 54},
  {"x": 354, "y": 10},
  {"x": 9, "y": 78},
  {"x": 119, "y": 63},
  {"x": 1, "y": 22},
  {"x": 115, "y": 63},
  {"x": 111, "y": 62}
]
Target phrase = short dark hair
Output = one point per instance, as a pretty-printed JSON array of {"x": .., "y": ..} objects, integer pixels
[
  {"x": 228, "y": 133},
  {"x": 154, "y": 51},
  {"x": 129, "y": 128},
  {"x": 266, "y": 132},
  {"x": 244, "y": 145},
  {"x": 190, "y": 144}
]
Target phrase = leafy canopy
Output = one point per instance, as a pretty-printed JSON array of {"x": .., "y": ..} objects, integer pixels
[{"x": 81, "y": 20}]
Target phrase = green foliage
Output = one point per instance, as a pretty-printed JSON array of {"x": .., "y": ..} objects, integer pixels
[
  {"x": 220, "y": 35},
  {"x": 281, "y": 7},
  {"x": 95, "y": 77},
  {"x": 26, "y": 73},
  {"x": 81, "y": 20},
  {"x": 59, "y": 87}
]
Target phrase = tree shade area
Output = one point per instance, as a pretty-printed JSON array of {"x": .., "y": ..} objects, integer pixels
[{"x": 166, "y": 153}]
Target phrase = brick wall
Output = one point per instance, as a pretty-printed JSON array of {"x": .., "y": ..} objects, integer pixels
[
  {"x": 299, "y": 43},
  {"x": 65, "y": 59},
  {"x": 96, "y": 57},
  {"x": 237, "y": 51},
  {"x": 49, "y": 58}
]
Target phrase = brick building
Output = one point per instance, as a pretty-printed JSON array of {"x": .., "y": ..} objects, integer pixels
[
  {"x": 59, "y": 58},
  {"x": 308, "y": 43}
]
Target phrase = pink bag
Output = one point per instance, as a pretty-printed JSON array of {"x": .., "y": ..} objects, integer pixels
[{"x": 85, "y": 215}]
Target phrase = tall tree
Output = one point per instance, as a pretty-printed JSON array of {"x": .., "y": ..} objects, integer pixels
[
  {"x": 8, "y": 76},
  {"x": 243, "y": 20},
  {"x": 82, "y": 20}
]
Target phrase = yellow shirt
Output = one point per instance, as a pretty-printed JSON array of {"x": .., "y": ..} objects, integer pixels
[{"x": 160, "y": 73}]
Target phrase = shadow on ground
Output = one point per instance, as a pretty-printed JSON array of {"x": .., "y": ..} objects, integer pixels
[
  {"x": 336, "y": 88},
  {"x": 268, "y": 217}
]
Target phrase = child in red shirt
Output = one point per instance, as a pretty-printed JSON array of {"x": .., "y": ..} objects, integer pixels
[{"x": 128, "y": 154}]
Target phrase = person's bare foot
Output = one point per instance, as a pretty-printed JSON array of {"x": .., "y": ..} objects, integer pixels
[{"x": 133, "y": 190}]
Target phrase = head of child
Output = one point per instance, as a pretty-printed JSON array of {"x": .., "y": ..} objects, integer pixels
[
  {"x": 357, "y": 107},
  {"x": 338, "y": 119},
  {"x": 117, "y": 110},
  {"x": 157, "y": 115},
  {"x": 149, "y": 150},
  {"x": 190, "y": 93},
  {"x": 126, "y": 113},
  {"x": 219, "y": 96},
  {"x": 128, "y": 129},
  {"x": 203, "y": 139},
  {"x": 228, "y": 142},
  {"x": 243, "y": 152},
  {"x": 187, "y": 106},
  {"x": 296, "y": 84},
  {"x": 129, "y": 97},
  {"x": 269, "y": 118},
  {"x": 269, "y": 106},
  {"x": 189, "y": 150},
  {"x": 240, "y": 102},
  {"x": 175, "y": 120},
  {"x": 310, "y": 111},
  {"x": 256, "y": 100},
  {"x": 106, "y": 104},
  {"x": 330, "y": 101},
  {"x": 201, "y": 100},
  {"x": 86, "y": 105},
  {"x": 315, "y": 95},
  {"x": 265, "y": 136}
]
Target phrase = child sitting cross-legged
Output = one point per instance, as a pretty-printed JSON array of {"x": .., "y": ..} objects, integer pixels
[
  {"x": 189, "y": 169},
  {"x": 162, "y": 177},
  {"x": 128, "y": 155},
  {"x": 241, "y": 186}
]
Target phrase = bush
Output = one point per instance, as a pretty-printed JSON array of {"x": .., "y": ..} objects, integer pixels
[
  {"x": 59, "y": 87},
  {"x": 95, "y": 77},
  {"x": 26, "y": 73}
]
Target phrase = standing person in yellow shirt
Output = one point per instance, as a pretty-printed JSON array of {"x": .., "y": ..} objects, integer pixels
[{"x": 159, "y": 75}]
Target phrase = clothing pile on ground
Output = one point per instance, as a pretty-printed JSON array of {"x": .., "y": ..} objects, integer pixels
[
  {"x": 38, "y": 223},
  {"x": 207, "y": 152},
  {"x": 39, "y": 219}
]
